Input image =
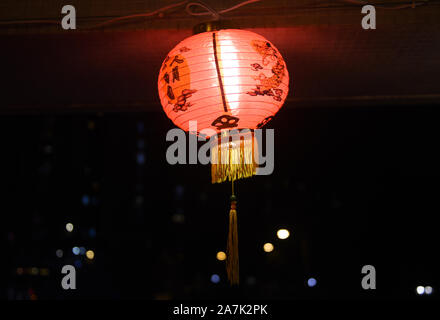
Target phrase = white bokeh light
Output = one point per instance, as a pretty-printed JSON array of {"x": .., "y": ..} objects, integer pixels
[
  {"x": 420, "y": 290},
  {"x": 283, "y": 234}
]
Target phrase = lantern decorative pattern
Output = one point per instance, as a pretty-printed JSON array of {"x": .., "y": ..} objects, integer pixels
[{"x": 225, "y": 80}]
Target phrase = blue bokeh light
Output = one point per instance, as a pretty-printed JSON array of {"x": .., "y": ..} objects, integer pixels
[
  {"x": 140, "y": 158},
  {"x": 92, "y": 232},
  {"x": 85, "y": 200},
  {"x": 311, "y": 282},
  {"x": 215, "y": 278}
]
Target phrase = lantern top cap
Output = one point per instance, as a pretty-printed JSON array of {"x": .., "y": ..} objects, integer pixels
[{"x": 209, "y": 26}]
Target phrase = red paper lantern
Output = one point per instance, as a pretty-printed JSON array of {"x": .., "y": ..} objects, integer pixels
[{"x": 224, "y": 80}]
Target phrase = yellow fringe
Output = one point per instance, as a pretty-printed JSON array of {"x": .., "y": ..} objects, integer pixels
[{"x": 233, "y": 160}]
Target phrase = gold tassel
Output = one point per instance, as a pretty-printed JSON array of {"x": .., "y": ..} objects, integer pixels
[
  {"x": 232, "y": 265},
  {"x": 233, "y": 160}
]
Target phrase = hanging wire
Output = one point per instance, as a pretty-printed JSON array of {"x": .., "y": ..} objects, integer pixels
[
  {"x": 238, "y": 6},
  {"x": 208, "y": 11},
  {"x": 148, "y": 14},
  {"x": 189, "y": 10},
  {"x": 18, "y": 22}
]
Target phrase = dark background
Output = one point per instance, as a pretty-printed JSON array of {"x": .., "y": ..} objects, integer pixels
[
  {"x": 82, "y": 140},
  {"x": 354, "y": 186}
]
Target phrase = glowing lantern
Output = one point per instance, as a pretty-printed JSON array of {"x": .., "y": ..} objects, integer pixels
[{"x": 225, "y": 79}]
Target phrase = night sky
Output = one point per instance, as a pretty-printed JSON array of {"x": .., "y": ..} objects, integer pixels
[{"x": 354, "y": 186}]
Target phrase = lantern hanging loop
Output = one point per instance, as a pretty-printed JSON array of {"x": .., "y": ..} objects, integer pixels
[{"x": 201, "y": 4}]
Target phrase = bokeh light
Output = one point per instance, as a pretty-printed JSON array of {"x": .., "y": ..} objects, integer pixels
[
  {"x": 140, "y": 158},
  {"x": 420, "y": 290},
  {"x": 311, "y": 282},
  {"x": 283, "y": 234},
  {"x": 44, "y": 272},
  {"x": 268, "y": 247},
  {"x": 59, "y": 253},
  {"x": 428, "y": 289},
  {"x": 69, "y": 227},
  {"x": 92, "y": 232},
  {"x": 85, "y": 200},
  {"x": 75, "y": 251},
  {"x": 215, "y": 278},
  {"x": 90, "y": 254},
  {"x": 221, "y": 256}
]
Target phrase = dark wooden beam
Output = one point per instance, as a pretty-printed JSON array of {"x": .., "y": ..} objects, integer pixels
[{"x": 330, "y": 64}]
